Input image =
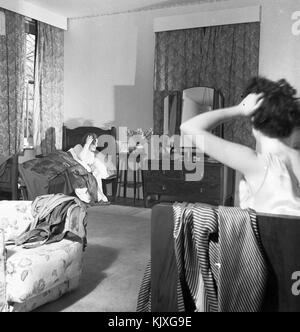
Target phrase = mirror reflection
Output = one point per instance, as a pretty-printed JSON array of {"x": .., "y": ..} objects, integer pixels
[{"x": 180, "y": 106}]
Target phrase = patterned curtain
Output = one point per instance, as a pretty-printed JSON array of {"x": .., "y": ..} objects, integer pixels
[
  {"x": 49, "y": 89},
  {"x": 12, "y": 84},
  {"x": 221, "y": 57},
  {"x": 175, "y": 113}
]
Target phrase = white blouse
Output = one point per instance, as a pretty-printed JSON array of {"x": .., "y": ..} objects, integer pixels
[{"x": 278, "y": 194}]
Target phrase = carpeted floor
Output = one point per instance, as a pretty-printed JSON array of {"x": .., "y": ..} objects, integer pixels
[{"x": 115, "y": 260}]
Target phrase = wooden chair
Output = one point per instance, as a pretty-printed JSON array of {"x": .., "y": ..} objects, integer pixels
[
  {"x": 9, "y": 177},
  {"x": 72, "y": 137},
  {"x": 280, "y": 239}
]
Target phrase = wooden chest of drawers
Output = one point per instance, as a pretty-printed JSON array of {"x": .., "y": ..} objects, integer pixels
[{"x": 215, "y": 186}]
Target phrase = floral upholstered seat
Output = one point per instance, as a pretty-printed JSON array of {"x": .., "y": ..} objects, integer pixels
[{"x": 32, "y": 277}]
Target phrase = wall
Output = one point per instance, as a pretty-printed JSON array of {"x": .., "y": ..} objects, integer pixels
[
  {"x": 109, "y": 60},
  {"x": 280, "y": 46}
]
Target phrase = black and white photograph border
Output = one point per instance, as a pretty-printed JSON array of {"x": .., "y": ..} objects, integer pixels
[{"x": 149, "y": 158}]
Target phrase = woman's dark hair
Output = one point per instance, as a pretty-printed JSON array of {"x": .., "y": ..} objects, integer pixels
[
  {"x": 95, "y": 137},
  {"x": 279, "y": 114}
]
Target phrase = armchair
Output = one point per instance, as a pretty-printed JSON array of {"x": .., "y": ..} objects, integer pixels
[{"x": 30, "y": 278}]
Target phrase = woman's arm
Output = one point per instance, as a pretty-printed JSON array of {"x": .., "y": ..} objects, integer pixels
[{"x": 236, "y": 156}]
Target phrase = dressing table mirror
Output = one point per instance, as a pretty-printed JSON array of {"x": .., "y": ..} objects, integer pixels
[
  {"x": 216, "y": 184},
  {"x": 180, "y": 106}
]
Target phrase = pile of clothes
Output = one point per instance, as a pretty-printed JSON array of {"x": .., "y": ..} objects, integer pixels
[
  {"x": 57, "y": 172},
  {"x": 55, "y": 217}
]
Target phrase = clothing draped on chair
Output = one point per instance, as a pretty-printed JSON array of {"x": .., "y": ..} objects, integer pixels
[
  {"x": 12, "y": 76},
  {"x": 144, "y": 297},
  {"x": 222, "y": 57},
  {"x": 220, "y": 259},
  {"x": 49, "y": 89},
  {"x": 55, "y": 216}
]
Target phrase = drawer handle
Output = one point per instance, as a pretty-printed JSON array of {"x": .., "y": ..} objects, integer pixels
[
  {"x": 163, "y": 188},
  {"x": 201, "y": 190}
]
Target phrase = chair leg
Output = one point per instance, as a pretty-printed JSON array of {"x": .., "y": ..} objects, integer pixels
[
  {"x": 114, "y": 189},
  {"x": 138, "y": 182},
  {"x": 119, "y": 183},
  {"x": 135, "y": 185},
  {"x": 125, "y": 184},
  {"x": 23, "y": 193},
  {"x": 144, "y": 191},
  {"x": 104, "y": 188}
]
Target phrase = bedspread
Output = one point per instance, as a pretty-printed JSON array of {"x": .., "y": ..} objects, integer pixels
[{"x": 41, "y": 175}]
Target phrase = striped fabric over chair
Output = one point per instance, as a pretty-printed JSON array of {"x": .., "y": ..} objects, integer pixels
[
  {"x": 243, "y": 273},
  {"x": 219, "y": 258},
  {"x": 222, "y": 247},
  {"x": 144, "y": 297},
  {"x": 189, "y": 236}
]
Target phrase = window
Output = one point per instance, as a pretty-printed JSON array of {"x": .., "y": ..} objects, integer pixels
[{"x": 31, "y": 32}]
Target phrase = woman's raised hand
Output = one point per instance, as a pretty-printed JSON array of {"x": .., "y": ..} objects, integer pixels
[{"x": 251, "y": 104}]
